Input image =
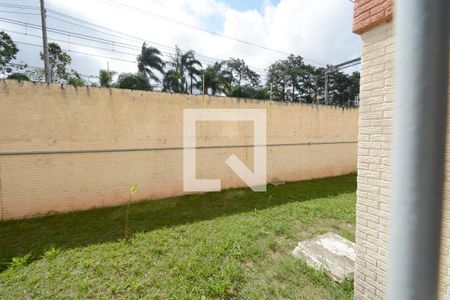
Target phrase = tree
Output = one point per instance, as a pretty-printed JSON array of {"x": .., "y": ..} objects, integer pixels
[
  {"x": 248, "y": 91},
  {"x": 193, "y": 68},
  {"x": 343, "y": 88},
  {"x": 133, "y": 81},
  {"x": 75, "y": 79},
  {"x": 18, "y": 76},
  {"x": 277, "y": 79},
  {"x": 106, "y": 78},
  {"x": 217, "y": 79},
  {"x": 241, "y": 74},
  {"x": 293, "y": 80},
  {"x": 174, "y": 82},
  {"x": 35, "y": 74},
  {"x": 184, "y": 66},
  {"x": 58, "y": 60},
  {"x": 8, "y": 49},
  {"x": 150, "y": 62}
]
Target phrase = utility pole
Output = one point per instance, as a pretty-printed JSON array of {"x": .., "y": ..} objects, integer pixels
[
  {"x": 326, "y": 87},
  {"x": 270, "y": 95},
  {"x": 203, "y": 84},
  {"x": 45, "y": 43}
]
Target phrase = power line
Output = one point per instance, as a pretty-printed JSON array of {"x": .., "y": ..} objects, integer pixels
[
  {"x": 80, "y": 52},
  {"x": 167, "y": 19},
  {"x": 19, "y": 12},
  {"x": 121, "y": 34},
  {"x": 26, "y": 66},
  {"x": 20, "y": 6},
  {"x": 167, "y": 54},
  {"x": 98, "y": 40},
  {"x": 115, "y": 3},
  {"x": 91, "y": 54},
  {"x": 201, "y": 57}
]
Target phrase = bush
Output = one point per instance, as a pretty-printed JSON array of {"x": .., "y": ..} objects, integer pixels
[
  {"x": 19, "y": 76},
  {"x": 133, "y": 81},
  {"x": 75, "y": 81}
]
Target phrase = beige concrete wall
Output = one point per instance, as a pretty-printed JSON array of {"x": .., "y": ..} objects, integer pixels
[
  {"x": 374, "y": 170},
  {"x": 37, "y": 117}
]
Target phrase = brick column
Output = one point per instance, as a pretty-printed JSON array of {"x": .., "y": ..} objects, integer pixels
[
  {"x": 372, "y": 21},
  {"x": 370, "y": 13}
]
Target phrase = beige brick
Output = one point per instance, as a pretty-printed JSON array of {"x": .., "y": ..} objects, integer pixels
[{"x": 39, "y": 117}]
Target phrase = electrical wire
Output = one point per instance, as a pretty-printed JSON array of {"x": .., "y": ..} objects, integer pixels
[
  {"x": 123, "y": 35},
  {"x": 20, "y": 6},
  {"x": 111, "y": 43},
  {"x": 19, "y": 13},
  {"x": 90, "y": 46},
  {"x": 116, "y": 4},
  {"x": 165, "y": 18}
]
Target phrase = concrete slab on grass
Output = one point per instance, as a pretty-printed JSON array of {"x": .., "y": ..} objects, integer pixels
[{"x": 330, "y": 253}]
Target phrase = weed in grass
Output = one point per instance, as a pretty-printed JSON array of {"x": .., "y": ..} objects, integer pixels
[
  {"x": 20, "y": 261},
  {"x": 133, "y": 190},
  {"x": 51, "y": 253}
]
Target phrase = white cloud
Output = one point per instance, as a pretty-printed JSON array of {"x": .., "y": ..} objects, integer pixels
[{"x": 319, "y": 30}]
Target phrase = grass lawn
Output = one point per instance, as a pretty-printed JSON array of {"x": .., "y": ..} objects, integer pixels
[{"x": 232, "y": 244}]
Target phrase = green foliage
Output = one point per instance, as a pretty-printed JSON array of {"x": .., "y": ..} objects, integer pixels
[
  {"x": 35, "y": 74},
  {"x": 58, "y": 60},
  {"x": 247, "y": 91},
  {"x": 75, "y": 79},
  {"x": 174, "y": 82},
  {"x": 184, "y": 73},
  {"x": 217, "y": 79},
  {"x": 133, "y": 190},
  {"x": 289, "y": 80},
  {"x": 20, "y": 261},
  {"x": 293, "y": 80},
  {"x": 150, "y": 61},
  {"x": 193, "y": 68},
  {"x": 241, "y": 74},
  {"x": 106, "y": 78},
  {"x": 133, "y": 81},
  {"x": 343, "y": 87},
  {"x": 18, "y": 76},
  {"x": 235, "y": 244},
  {"x": 8, "y": 49},
  {"x": 51, "y": 253}
]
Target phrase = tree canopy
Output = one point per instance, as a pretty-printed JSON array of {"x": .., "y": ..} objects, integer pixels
[
  {"x": 133, "y": 81},
  {"x": 288, "y": 80},
  {"x": 150, "y": 62},
  {"x": 58, "y": 60},
  {"x": 8, "y": 50}
]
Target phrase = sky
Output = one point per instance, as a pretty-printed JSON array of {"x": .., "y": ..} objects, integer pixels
[{"x": 318, "y": 30}]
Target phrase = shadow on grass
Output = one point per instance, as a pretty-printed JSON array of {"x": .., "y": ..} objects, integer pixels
[{"x": 78, "y": 229}]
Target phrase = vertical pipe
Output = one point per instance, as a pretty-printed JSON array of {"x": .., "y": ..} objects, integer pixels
[
  {"x": 422, "y": 41},
  {"x": 45, "y": 43}
]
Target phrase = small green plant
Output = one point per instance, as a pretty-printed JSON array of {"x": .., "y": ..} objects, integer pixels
[
  {"x": 22, "y": 261},
  {"x": 133, "y": 190},
  {"x": 51, "y": 253}
]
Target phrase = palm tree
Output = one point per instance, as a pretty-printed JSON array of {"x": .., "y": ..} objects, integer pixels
[
  {"x": 150, "y": 61},
  {"x": 217, "y": 79},
  {"x": 193, "y": 67},
  {"x": 173, "y": 82},
  {"x": 183, "y": 65}
]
